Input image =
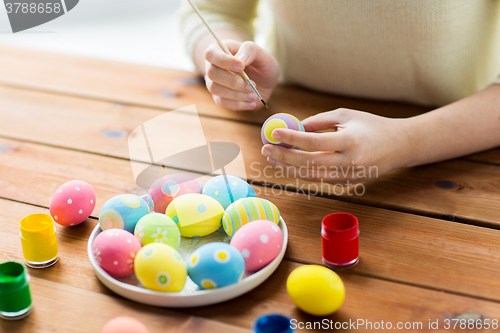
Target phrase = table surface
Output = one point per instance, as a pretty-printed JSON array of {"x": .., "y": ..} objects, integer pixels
[{"x": 429, "y": 244}]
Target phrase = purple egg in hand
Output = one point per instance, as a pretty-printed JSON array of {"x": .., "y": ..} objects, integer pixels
[{"x": 280, "y": 120}]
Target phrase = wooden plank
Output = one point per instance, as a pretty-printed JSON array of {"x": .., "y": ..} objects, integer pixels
[
  {"x": 72, "y": 278},
  {"x": 393, "y": 246},
  {"x": 160, "y": 87},
  {"x": 62, "y": 308},
  {"x": 491, "y": 156},
  {"x": 457, "y": 190}
]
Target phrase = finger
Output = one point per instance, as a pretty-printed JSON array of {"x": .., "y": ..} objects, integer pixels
[
  {"x": 327, "y": 120},
  {"x": 227, "y": 93},
  {"x": 233, "y": 105},
  {"x": 227, "y": 79},
  {"x": 248, "y": 52},
  {"x": 310, "y": 141},
  {"x": 215, "y": 55},
  {"x": 301, "y": 158}
]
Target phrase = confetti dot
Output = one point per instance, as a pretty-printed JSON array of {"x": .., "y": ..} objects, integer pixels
[
  {"x": 275, "y": 228},
  {"x": 91, "y": 201},
  {"x": 202, "y": 208},
  {"x": 80, "y": 211},
  {"x": 71, "y": 224},
  {"x": 264, "y": 239},
  {"x": 56, "y": 217},
  {"x": 216, "y": 192},
  {"x": 115, "y": 263},
  {"x": 245, "y": 253},
  {"x": 235, "y": 183},
  {"x": 129, "y": 241},
  {"x": 60, "y": 191},
  {"x": 77, "y": 188},
  {"x": 70, "y": 201}
]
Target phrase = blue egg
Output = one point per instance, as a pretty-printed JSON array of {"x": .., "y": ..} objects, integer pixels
[
  {"x": 216, "y": 265},
  {"x": 123, "y": 212},
  {"x": 227, "y": 192}
]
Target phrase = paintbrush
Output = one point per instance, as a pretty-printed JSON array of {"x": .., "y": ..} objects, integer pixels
[{"x": 242, "y": 73}]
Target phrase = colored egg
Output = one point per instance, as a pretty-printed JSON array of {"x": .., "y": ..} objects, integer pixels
[
  {"x": 247, "y": 210},
  {"x": 167, "y": 188},
  {"x": 216, "y": 265},
  {"x": 72, "y": 203},
  {"x": 228, "y": 189},
  {"x": 279, "y": 120},
  {"x": 196, "y": 215},
  {"x": 115, "y": 250},
  {"x": 157, "y": 228},
  {"x": 160, "y": 267},
  {"x": 123, "y": 212},
  {"x": 124, "y": 325},
  {"x": 316, "y": 290},
  {"x": 259, "y": 242}
]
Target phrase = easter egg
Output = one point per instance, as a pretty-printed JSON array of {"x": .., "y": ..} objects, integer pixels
[
  {"x": 259, "y": 242},
  {"x": 316, "y": 289},
  {"x": 72, "y": 203},
  {"x": 160, "y": 267},
  {"x": 227, "y": 192},
  {"x": 167, "y": 188},
  {"x": 123, "y": 212},
  {"x": 279, "y": 120},
  {"x": 124, "y": 325},
  {"x": 215, "y": 265},
  {"x": 157, "y": 228},
  {"x": 196, "y": 215},
  {"x": 247, "y": 210},
  {"x": 115, "y": 250}
]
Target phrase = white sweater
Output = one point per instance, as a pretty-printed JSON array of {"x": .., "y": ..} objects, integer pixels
[{"x": 429, "y": 52}]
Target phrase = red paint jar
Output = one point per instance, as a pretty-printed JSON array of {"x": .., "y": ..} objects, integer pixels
[{"x": 340, "y": 239}]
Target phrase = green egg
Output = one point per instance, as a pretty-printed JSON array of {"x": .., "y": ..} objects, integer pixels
[{"x": 157, "y": 228}]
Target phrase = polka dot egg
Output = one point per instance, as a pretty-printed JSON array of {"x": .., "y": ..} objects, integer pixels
[
  {"x": 227, "y": 192},
  {"x": 160, "y": 267},
  {"x": 247, "y": 210},
  {"x": 72, "y": 203},
  {"x": 115, "y": 251},
  {"x": 215, "y": 265},
  {"x": 279, "y": 120},
  {"x": 259, "y": 242},
  {"x": 167, "y": 188},
  {"x": 157, "y": 228},
  {"x": 196, "y": 215},
  {"x": 123, "y": 212}
]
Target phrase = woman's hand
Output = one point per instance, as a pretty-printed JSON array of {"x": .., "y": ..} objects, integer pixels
[
  {"x": 363, "y": 146},
  {"x": 228, "y": 89}
]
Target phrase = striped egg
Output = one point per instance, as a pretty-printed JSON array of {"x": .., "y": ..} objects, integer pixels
[
  {"x": 247, "y": 210},
  {"x": 280, "y": 120}
]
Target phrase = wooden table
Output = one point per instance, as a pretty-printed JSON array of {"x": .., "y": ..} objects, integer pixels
[{"x": 429, "y": 244}]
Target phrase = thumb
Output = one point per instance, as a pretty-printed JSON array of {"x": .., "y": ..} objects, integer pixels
[
  {"x": 326, "y": 120},
  {"x": 248, "y": 52}
]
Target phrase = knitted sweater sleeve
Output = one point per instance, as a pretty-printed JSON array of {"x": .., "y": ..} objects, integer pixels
[{"x": 237, "y": 15}]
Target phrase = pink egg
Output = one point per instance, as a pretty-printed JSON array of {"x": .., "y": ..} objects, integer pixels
[
  {"x": 259, "y": 242},
  {"x": 115, "y": 250},
  {"x": 72, "y": 203},
  {"x": 167, "y": 188},
  {"x": 124, "y": 325}
]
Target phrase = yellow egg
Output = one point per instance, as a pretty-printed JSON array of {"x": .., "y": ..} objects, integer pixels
[
  {"x": 316, "y": 289},
  {"x": 196, "y": 214},
  {"x": 160, "y": 267}
]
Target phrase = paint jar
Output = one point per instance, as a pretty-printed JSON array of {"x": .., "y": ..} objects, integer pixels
[
  {"x": 15, "y": 296},
  {"x": 340, "y": 240},
  {"x": 272, "y": 323},
  {"x": 39, "y": 240}
]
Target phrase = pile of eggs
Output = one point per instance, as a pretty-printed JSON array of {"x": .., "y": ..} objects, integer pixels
[{"x": 142, "y": 236}]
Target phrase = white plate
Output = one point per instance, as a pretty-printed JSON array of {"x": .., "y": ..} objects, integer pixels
[{"x": 191, "y": 295}]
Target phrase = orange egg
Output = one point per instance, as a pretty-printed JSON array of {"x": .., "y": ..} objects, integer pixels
[{"x": 124, "y": 325}]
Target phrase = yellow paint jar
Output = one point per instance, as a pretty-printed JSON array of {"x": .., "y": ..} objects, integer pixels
[{"x": 39, "y": 240}]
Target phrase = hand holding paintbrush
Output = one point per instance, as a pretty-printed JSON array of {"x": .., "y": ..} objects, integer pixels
[{"x": 229, "y": 92}]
